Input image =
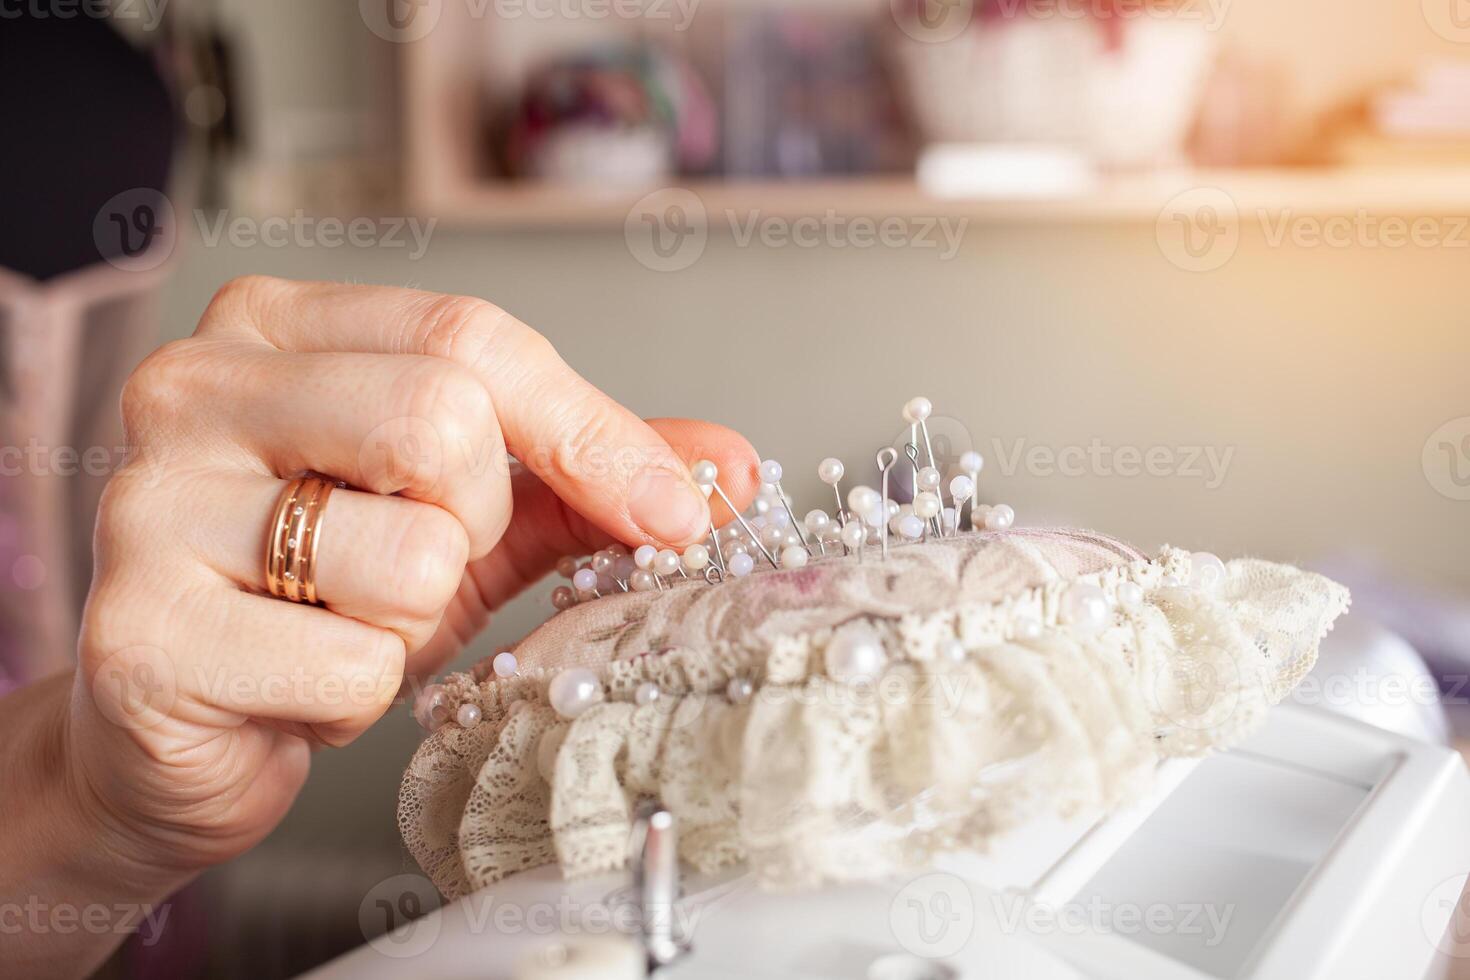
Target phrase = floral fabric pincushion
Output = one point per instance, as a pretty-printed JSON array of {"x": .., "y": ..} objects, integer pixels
[{"x": 851, "y": 719}]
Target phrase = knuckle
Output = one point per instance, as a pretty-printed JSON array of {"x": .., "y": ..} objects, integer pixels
[
  {"x": 589, "y": 449},
  {"x": 124, "y": 513},
  {"x": 240, "y": 299},
  {"x": 474, "y": 332},
  {"x": 161, "y": 386}
]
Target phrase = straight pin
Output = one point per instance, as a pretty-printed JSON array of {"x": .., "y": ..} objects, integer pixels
[
  {"x": 706, "y": 474},
  {"x": 892, "y": 455}
]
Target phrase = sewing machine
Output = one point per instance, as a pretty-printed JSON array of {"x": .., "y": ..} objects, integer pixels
[{"x": 1323, "y": 847}]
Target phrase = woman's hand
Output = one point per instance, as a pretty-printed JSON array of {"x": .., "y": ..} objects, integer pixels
[{"x": 198, "y": 695}]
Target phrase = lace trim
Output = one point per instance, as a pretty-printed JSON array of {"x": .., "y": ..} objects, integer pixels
[{"x": 816, "y": 780}]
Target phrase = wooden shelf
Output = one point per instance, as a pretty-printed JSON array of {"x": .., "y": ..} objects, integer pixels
[{"x": 1401, "y": 193}]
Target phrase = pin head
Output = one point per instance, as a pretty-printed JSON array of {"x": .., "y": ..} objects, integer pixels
[
  {"x": 705, "y": 473},
  {"x": 971, "y": 461},
  {"x": 830, "y": 471},
  {"x": 917, "y": 410},
  {"x": 770, "y": 471}
]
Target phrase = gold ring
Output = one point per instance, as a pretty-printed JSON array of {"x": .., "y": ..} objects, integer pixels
[{"x": 295, "y": 536}]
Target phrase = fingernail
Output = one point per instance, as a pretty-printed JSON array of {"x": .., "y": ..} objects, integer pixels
[{"x": 667, "y": 506}]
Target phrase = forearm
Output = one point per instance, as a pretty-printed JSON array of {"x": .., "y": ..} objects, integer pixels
[{"x": 70, "y": 892}]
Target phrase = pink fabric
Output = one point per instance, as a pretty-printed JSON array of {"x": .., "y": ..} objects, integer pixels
[{"x": 66, "y": 345}]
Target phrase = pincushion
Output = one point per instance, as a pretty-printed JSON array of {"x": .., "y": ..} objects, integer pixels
[{"x": 851, "y": 718}]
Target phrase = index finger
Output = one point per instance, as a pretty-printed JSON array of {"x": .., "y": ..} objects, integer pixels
[{"x": 593, "y": 453}]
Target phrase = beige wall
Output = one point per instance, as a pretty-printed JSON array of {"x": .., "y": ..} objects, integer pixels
[{"x": 1322, "y": 370}]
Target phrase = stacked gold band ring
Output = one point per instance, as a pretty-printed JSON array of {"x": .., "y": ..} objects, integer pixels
[{"x": 290, "y": 555}]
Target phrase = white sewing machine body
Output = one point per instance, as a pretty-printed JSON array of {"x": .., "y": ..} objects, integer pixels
[{"x": 1322, "y": 847}]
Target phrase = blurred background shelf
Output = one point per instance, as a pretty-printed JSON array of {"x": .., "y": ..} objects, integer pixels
[{"x": 1402, "y": 193}]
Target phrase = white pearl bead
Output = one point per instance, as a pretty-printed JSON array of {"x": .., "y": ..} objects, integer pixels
[
  {"x": 999, "y": 517},
  {"x": 585, "y": 580},
  {"x": 793, "y": 540},
  {"x": 646, "y": 693},
  {"x": 794, "y": 557},
  {"x": 1130, "y": 595},
  {"x": 961, "y": 487},
  {"x": 504, "y": 664},
  {"x": 760, "y": 506},
  {"x": 830, "y": 470},
  {"x": 853, "y": 655},
  {"x": 642, "y": 581},
  {"x": 605, "y": 584},
  {"x": 1026, "y": 628},
  {"x": 696, "y": 558},
  {"x": 432, "y": 706},
  {"x": 573, "y": 691},
  {"x": 773, "y": 537},
  {"x": 602, "y": 562},
  {"x": 917, "y": 410},
  {"x": 666, "y": 562},
  {"x": 815, "y": 520},
  {"x": 863, "y": 499},
  {"x": 779, "y": 518},
  {"x": 853, "y": 534},
  {"x": 739, "y": 690},
  {"x": 952, "y": 650},
  {"x": 705, "y": 473},
  {"x": 770, "y": 471},
  {"x": 911, "y": 526},
  {"x": 566, "y": 566},
  {"x": 617, "y": 550},
  {"x": 891, "y": 508},
  {"x": 563, "y": 598},
  {"x": 1206, "y": 571},
  {"x": 926, "y": 505},
  {"x": 468, "y": 715},
  {"x": 971, "y": 461},
  {"x": 741, "y": 564},
  {"x": 929, "y": 478},
  {"x": 623, "y": 566},
  {"x": 644, "y": 554},
  {"x": 1086, "y": 607}
]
